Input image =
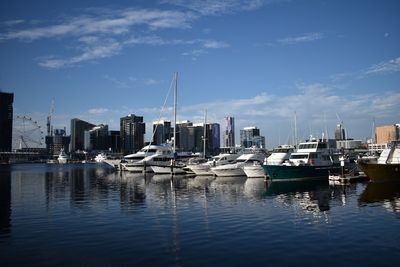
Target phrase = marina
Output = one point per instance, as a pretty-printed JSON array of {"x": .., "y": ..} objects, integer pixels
[{"x": 89, "y": 214}]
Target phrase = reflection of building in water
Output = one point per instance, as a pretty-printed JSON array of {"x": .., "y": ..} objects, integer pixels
[{"x": 5, "y": 199}]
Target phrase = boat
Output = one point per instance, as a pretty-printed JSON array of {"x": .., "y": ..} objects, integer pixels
[
  {"x": 204, "y": 169},
  {"x": 312, "y": 160},
  {"x": 146, "y": 157},
  {"x": 236, "y": 169},
  {"x": 62, "y": 157},
  {"x": 101, "y": 157},
  {"x": 386, "y": 167},
  {"x": 280, "y": 154},
  {"x": 174, "y": 166},
  {"x": 254, "y": 170}
]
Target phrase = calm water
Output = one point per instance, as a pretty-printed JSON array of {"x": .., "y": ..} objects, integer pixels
[{"x": 86, "y": 215}]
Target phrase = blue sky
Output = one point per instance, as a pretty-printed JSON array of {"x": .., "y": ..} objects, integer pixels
[{"x": 259, "y": 61}]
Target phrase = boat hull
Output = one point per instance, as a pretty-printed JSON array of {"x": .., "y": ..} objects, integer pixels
[
  {"x": 225, "y": 172},
  {"x": 289, "y": 173},
  {"x": 167, "y": 170},
  {"x": 380, "y": 172},
  {"x": 254, "y": 171},
  {"x": 201, "y": 170}
]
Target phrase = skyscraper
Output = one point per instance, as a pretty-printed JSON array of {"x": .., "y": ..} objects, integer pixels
[
  {"x": 229, "y": 132},
  {"x": 340, "y": 133},
  {"x": 78, "y": 128},
  {"x": 6, "y": 121},
  {"x": 97, "y": 138},
  {"x": 250, "y": 136},
  {"x": 132, "y": 133},
  {"x": 162, "y": 132}
]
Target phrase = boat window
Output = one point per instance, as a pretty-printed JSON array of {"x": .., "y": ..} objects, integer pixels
[
  {"x": 241, "y": 160},
  {"x": 322, "y": 145},
  {"x": 299, "y": 156},
  {"x": 313, "y": 155}
]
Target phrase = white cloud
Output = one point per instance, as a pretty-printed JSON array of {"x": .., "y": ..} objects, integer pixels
[
  {"x": 390, "y": 66},
  {"x": 215, "y": 8},
  {"x": 115, "y": 22},
  {"x": 308, "y": 37},
  {"x": 97, "y": 111},
  {"x": 151, "y": 82},
  {"x": 96, "y": 50},
  {"x": 215, "y": 44}
]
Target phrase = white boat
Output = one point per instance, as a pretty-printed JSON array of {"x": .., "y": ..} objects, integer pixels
[
  {"x": 101, "y": 157},
  {"x": 236, "y": 169},
  {"x": 255, "y": 170},
  {"x": 148, "y": 156},
  {"x": 205, "y": 168},
  {"x": 174, "y": 166},
  {"x": 62, "y": 157},
  {"x": 280, "y": 154}
]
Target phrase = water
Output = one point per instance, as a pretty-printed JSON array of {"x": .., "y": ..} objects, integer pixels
[{"x": 86, "y": 215}]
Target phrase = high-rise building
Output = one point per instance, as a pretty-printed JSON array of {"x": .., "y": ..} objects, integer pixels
[
  {"x": 56, "y": 141},
  {"x": 182, "y": 136},
  {"x": 229, "y": 132},
  {"x": 386, "y": 134},
  {"x": 250, "y": 137},
  {"x": 162, "y": 132},
  {"x": 340, "y": 133},
  {"x": 132, "y": 133},
  {"x": 6, "y": 121},
  {"x": 213, "y": 138},
  {"x": 78, "y": 128},
  {"x": 115, "y": 141},
  {"x": 97, "y": 138}
]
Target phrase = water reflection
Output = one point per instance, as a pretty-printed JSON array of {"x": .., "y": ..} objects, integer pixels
[
  {"x": 311, "y": 195},
  {"x": 5, "y": 199},
  {"x": 387, "y": 193}
]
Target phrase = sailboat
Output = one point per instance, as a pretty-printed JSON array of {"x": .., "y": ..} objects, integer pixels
[{"x": 174, "y": 167}]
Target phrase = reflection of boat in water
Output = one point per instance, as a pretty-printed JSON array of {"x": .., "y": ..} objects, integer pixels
[
  {"x": 230, "y": 180},
  {"x": 277, "y": 188},
  {"x": 386, "y": 167},
  {"x": 255, "y": 188},
  {"x": 376, "y": 192}
]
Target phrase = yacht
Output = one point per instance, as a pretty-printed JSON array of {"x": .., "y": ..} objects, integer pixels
[
  {"x": 384, "y": 168},
  {"x": 205, "y": 168},
  {"x": 277, "y": 157},
  {"x": 146, "y": 157},
  {"x": 101, "y": 157},
  {"x": 254, "y": 170},
  {"x": 236, "y": 169},
  {"x": 62, "y": 157},
  {"x": 280, "y": 154},
  {"x": 313, "y": 159}
]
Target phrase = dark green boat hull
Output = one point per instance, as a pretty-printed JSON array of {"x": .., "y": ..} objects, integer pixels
[{"x": 289, "y": 173}]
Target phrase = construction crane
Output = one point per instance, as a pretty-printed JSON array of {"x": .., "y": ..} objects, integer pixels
[{"x": 49, "y": 126}]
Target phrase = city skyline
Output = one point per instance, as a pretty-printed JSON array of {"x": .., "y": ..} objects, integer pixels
[{"x": 257, "y": 61}]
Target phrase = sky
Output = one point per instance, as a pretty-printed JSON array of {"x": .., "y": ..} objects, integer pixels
[{"x": 263, "y": 62}]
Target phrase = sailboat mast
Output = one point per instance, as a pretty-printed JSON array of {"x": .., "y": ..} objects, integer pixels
[
  {"x": 295, "y": 128},
  {"x": 175, "y": 100},
  {"x": 205, "y": 133}
]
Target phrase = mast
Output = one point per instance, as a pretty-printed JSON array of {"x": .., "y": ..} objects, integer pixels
[
  {"x": 205, "y": 133},
  {"x": 175, "y": 100},
  {"x": 295, "y": 128}
]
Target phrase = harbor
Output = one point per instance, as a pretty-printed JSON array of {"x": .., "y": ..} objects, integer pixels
[{"x": 88, "y": 214}]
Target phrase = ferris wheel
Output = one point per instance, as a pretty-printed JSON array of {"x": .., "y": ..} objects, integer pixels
[{"x": 27, "y": 133}]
